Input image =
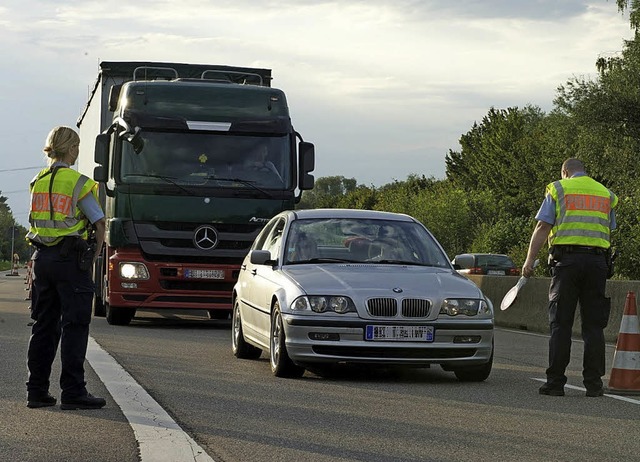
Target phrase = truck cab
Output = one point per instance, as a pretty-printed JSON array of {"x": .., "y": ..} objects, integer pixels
[{"x": 190, "y": 168}]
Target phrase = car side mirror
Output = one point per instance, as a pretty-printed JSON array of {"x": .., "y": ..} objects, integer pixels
[{"x": 261, "y": 257}]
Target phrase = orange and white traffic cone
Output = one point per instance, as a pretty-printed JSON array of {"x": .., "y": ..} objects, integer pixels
[{"x": 625, "y": 374}]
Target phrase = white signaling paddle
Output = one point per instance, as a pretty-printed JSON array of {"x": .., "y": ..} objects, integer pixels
[{"x": 511, "y": 296}]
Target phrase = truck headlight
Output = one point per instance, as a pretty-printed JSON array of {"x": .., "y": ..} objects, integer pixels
[{"x": 133, "y": 270}]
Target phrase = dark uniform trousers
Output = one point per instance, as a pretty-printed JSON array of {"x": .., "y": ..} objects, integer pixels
[
  {"x": 578, "y": 277},
  {"x": 61, "y": 308}
]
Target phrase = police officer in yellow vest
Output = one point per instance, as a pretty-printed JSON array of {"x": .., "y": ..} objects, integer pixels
[
  {"x": 64, "y": 205},
  {"x": 577, "y": 217}
]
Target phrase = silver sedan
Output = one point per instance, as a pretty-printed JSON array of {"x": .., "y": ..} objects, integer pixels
[{"x": 336, "y": 286}]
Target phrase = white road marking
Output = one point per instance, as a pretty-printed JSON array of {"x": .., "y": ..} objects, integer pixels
[
  {"x": 159, "y": 437},
  {"x": 621, "y": 398}
]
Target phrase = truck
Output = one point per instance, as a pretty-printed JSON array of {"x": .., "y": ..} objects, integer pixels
[{"x": 191, "y": 160}]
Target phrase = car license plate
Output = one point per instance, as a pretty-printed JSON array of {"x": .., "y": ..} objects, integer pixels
[
  {"x": 400, "y": 333},
  {"x": 203, "y": 274},
  {"x": 495, "y": 272}
]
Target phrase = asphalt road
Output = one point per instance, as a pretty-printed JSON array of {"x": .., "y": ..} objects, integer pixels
[{"x": 237, "y": 411}]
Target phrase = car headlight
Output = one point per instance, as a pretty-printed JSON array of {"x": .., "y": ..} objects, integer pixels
[
  {"x": 323, "y": 303},
  {"x": 465, "y": 306},
  {"x": 133, "y": 270}
]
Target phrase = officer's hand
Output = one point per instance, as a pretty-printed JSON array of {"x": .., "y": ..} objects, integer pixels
[{"x": 527, "y": 270}]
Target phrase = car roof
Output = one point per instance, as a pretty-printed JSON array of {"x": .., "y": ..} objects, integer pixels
[{"x": 350, "y": 213}]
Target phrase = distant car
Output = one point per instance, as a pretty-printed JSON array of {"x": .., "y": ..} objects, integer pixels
[
  {"x": 336, "y": 286},
  {"x": 491, "y": 264}
]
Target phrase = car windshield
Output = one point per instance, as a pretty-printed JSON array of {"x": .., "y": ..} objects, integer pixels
[
  {"x": 208, "y": 159},
  {"x": 355, "y": 240}
]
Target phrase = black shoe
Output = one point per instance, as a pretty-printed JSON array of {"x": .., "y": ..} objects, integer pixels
[
  {"x": 34, "y": 401},
  {"x": 550, "y": 391},
  {"x": 595, "y": 392},
  {"x": 87, "y": 401}
]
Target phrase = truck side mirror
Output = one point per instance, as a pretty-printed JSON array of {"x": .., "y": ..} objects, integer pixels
[
  {"x": 114, "y": 95},
  {"x": 101, "y": 157},
  {"x": 135, "y": 139},
  {"x": 307, "y": 159}
]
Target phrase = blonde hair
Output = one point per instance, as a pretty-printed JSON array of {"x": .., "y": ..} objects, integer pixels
[{"x": 59, "y": 142}]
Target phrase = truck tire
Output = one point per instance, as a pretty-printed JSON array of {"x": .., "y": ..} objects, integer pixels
[
  {"x": 118, "y": 316},
  {"x": 99, "y": 310}
]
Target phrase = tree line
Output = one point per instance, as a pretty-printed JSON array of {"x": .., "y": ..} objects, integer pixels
[{"x": 495, "y": 183}]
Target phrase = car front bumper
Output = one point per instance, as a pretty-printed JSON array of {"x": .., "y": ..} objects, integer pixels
[{"x": 312, "y": 340}]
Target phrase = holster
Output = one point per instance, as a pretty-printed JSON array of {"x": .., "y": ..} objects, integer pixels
[
  {"x": 555, "y": 255},
  {"x": 83, "y": 250}
]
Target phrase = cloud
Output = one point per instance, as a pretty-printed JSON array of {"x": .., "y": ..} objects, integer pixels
[{"x": 390, "y": 85}]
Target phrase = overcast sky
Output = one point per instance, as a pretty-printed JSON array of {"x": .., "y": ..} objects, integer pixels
[{"x": 384, "y": 88}]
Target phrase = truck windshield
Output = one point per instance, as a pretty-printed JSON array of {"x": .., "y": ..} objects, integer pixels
[{"x": 195, "y": 159}]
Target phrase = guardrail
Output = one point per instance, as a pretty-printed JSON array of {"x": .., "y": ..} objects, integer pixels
[{"x": 530, "y": 311}]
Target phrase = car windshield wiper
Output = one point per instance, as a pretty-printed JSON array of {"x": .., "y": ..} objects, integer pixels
[
  {"x": 244, "y": 182},
  {"x": 400, "y": 262},
  {"x": 168, "y": 179},
  {"x": 323, "y": 260}
]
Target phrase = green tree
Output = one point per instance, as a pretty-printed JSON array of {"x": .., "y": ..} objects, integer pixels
[{"x": 327, "y": 192}]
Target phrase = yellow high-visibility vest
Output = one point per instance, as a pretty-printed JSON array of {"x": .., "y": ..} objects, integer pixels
[
  {"x": 54, "y": 210},
  {"x": 583, "y": 208}
]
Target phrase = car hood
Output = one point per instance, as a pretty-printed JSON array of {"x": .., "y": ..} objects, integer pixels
[{"x": 372, "y": 280}]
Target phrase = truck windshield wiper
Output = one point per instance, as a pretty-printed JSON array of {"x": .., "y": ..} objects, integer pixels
[
  {"x": 168, "y": 179},
  {"x": 244, "y": 182}
]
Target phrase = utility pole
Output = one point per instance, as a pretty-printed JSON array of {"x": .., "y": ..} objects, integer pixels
[{"x": 14, "y": 264}]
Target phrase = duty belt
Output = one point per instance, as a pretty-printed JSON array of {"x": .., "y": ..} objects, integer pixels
[{"x": 582, "y": 249}]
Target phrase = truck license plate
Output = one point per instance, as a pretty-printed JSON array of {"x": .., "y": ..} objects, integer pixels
[
  {"x": 203, "y": 274},
  {"x": 400, "y": 333}
]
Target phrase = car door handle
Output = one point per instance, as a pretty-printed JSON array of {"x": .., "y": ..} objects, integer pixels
[
  {"x": 244, "y": 267},
  {"x": 254, "y": 271}
]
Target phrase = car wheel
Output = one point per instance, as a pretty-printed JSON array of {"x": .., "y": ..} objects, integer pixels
[
  {"x": 281, "y": 364},
  {"x": 241, "y": 349},
  {"x": 475, "y": 373},
  {"x": 119, "y": 316}
]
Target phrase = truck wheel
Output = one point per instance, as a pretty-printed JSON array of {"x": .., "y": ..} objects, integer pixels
[
  {"x": 99, "y": 309},
  {"x": 219, "y": 314},
  {"x": 117, "y": 316}
]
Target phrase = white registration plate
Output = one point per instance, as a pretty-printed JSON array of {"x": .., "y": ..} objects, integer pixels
[
  {"x": 495, "y": 272},
  {"x": 203, "y": 274},
  {"x": 400, "y": 333}
]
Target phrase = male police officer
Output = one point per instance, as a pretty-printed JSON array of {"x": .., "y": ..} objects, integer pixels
[
  {"x": 577, "y": 217},
  {"x": 63, "y": 204}
]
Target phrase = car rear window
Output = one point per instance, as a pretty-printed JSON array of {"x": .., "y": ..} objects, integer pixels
[{"x": 494, "y": 261}]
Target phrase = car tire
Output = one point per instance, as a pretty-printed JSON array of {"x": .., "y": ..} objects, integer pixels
[
  {"x": 281, "y": 364},
  {"x": 475, "y": 373},
  {"x": 240, "y": 348},
  {"x": 117, "y": 316}
]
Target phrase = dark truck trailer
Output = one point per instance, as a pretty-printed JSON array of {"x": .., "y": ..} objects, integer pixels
[{"x": 192, "y": 161}]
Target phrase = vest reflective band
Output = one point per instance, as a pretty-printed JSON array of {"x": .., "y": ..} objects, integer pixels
[
  {"x": 583, "y": 208},
  {"x": 49, "y": 226}
]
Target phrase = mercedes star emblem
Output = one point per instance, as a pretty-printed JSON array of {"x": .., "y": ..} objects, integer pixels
[{"x": 205, "y": 237}]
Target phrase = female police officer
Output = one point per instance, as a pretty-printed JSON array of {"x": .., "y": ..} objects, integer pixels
[{"x": 64, "y": 204}]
